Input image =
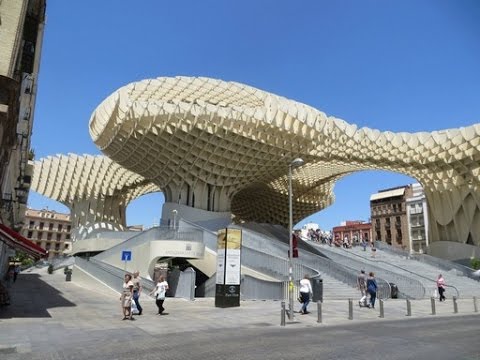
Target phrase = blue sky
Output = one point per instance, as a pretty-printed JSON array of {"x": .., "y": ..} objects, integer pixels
[{"x": 409, "y": 65}]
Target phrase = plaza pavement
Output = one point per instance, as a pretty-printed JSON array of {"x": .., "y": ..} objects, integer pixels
[{"x": 46, "y": 310}]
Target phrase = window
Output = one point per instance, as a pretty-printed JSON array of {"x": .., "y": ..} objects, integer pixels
[
  {"x": 67, "y": 237},
  {"x": 39, "y": 235},
  {"x": 30, "y": 234},
  {"x": 60, "y": 227},
  {"x": 41, "y": 225},
  {"x": 68, "y": 228},
  {"x": 50, "y": 226},
  {"x": 49, "y": 236},
  {"x": 59, "y": 237},
  {"x": 66, "y": 246},
  {"x": 31, "y": 224}
]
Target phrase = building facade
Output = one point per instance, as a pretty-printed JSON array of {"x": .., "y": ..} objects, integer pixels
[
  {"x": 50, "y": 230},
  {"x": 21, "y": 33},
  {"x": 353, "y": 232},
  {"x": 389, "y": 216},
  {"x": 417, "y": 216}
]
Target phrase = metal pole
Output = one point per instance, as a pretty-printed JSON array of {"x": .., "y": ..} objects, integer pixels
[
  {"x": 455, "y": 305},
  {"x": 475, "y": 308},
  {"x": 350, "y": 309},
  {"x": 382, "y": 314},
  {"x": 432, "y": 301},
  {"x": 174, "y": 211},
  {"x": 319, "y": 311},
  {"x": 409, "y": 308},
  {"x": 290, "y": 251},
  {"x": 282, "y": 314}
]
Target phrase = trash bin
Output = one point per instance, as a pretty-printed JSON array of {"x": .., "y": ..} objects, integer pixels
[
  {"x": 393, "y": 291},
  {"x": 317, "y": 289},
  {"x": 68, "y": 276}
]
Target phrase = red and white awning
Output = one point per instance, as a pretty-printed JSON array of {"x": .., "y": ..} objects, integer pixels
[{"x": 17, "y": 241}]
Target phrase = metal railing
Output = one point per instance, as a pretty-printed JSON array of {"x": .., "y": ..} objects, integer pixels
[
  {"x": 408, "y": 288},
  {"x": 445, "y": 265},
  {"x": 344, "y": 273},
  {"x": 110, "y": 275},
  {"x": 153, "y": 234}
]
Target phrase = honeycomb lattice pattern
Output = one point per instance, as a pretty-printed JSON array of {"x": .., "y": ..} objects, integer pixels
[
  {"x": 95, "y": 188},
  {"x": 224, "y": 146}
]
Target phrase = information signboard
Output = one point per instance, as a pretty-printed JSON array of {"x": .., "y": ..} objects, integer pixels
[{"x": 228, "y": 276}]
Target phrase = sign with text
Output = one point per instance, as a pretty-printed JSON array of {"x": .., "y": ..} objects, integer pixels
[{"x": 228, "y": 276}]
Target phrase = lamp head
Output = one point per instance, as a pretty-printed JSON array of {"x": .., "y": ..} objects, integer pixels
[{"x": 297, "y": 162}]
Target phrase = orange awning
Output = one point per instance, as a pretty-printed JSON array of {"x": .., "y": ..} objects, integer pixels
[{"x": 17, "y": 241}]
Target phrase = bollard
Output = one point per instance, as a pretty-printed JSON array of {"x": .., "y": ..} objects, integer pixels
[
  {"x": 282, "y": 314},
  {"x": 319, "y": 311},
  {"x": 432, "y": 301},
  {"x": 350, "y": 309},
  {"x": 455, "y": 305},
  {"x": 382, "y": 314},
  {"x": 475, "y": 308},
  {"x": 409, "y": 308}
]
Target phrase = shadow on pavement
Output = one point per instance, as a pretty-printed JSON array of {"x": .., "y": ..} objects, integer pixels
[{"x": 31, "y": 297}]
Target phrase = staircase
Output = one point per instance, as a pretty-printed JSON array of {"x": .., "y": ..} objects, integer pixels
[{"x": 457, "y": 284}]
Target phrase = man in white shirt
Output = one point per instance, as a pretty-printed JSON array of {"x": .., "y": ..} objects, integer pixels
[{"x": 305, "y": 291}]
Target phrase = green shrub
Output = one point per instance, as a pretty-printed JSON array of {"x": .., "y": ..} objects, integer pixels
[{"x": 475, "y": 263}]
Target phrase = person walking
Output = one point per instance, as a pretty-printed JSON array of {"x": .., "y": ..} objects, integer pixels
[
  {"x": 160, "y": 293},
  {"x": 16, "y": 271},
  {"x": 137, "y": 289},
  {"x": 305, "y": 291},
  {"x": 126, "y": 297},
  {"x": 441, "y": 287},
  {"x": 372, "y": 289},
  {"x": 362, "y": 286}
]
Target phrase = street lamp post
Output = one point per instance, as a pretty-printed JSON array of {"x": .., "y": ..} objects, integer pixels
[
  {"x": 174, "y": 212},
  {"x": 295, "y": 163}
]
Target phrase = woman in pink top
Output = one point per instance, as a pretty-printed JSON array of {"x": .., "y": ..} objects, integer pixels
[{"x": 441, "y": 287}]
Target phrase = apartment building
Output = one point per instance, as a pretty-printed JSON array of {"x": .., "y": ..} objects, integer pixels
[
  {"x": 353, "y": 232},
  {"x": 417, "y": 216},
  {"x": 388, "y": 209},
  {"x": 21, "y": 35},
  {"x": 50, "y": 230}
]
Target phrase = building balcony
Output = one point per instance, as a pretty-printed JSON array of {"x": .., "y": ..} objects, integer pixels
[
  {"x": 416, "y": 211},
  {"x": 417, "y": 225}
]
